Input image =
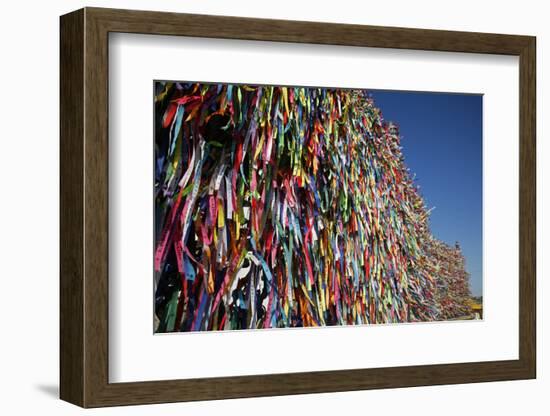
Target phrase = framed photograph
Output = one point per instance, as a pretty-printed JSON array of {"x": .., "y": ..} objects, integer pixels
[{"x": 256, "y": 207}]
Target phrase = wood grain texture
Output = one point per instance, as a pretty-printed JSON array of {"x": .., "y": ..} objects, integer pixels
[
  {"x": 96, "y": 219},
  {"x": 84, "y": 205},
  {"x": 71, "y": 217},
  {"x": 225, "y": 27},
  {"x": 527, "y": 208}
]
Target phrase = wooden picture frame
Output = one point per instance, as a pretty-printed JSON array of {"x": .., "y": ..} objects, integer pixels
[{"x": 84, "y": 207}]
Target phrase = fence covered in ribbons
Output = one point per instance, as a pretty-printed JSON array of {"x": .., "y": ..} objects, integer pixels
[{"x": 285, "y": 207}]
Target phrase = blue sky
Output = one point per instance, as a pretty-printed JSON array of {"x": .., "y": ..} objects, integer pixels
[{"x": 442, "y": 144}]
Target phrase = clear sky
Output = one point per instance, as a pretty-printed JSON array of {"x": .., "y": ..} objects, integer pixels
[{"x": 441, "y": 135}]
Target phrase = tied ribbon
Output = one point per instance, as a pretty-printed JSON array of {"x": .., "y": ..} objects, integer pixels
[{"x": 291, "y": 207}]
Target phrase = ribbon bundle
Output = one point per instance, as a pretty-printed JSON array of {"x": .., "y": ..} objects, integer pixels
[
  {"x": 287, "y": 207},
  {"x": 453, "y": 291}
]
